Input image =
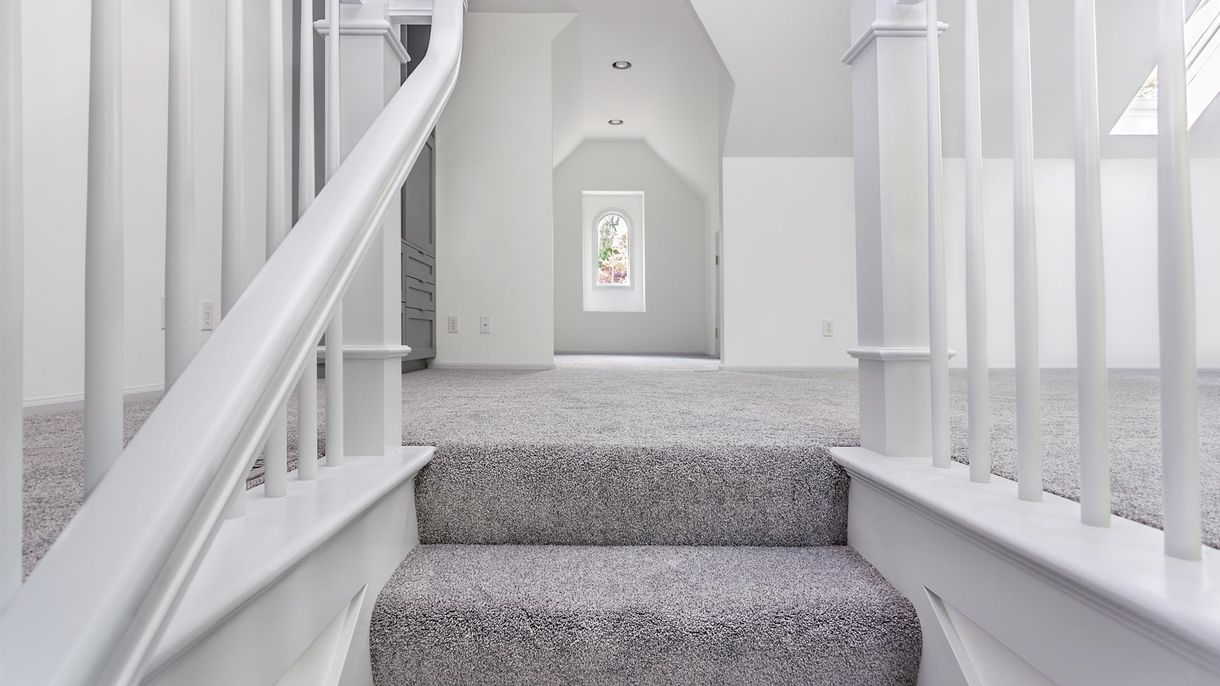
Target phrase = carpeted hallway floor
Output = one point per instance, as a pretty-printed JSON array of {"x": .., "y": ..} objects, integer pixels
[{"x": 590, "y": 403}]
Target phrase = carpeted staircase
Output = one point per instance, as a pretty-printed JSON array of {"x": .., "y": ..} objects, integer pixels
[{"x": 562, "y": 563}]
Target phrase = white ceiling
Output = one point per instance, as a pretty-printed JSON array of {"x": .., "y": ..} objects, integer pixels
[
  {"x": 775, "y": 66},
  {"x": 794, "y": 97},
  {"x": 670, "y": 98}
]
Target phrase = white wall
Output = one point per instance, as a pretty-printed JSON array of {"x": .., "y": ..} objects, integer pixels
[
  {"x": 789, "y": 246},
  {"x": 1129, "y": 214},
  {"x": 677, "y": 261},
  {"x": 494, "y": 195},
  {"x": 789, "y": 261},
  {"x": 56, "y": 104}
]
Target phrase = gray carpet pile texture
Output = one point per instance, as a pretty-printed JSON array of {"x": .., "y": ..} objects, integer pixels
[
  {"x": 541, "y": 615},
  {"x": 592, "y": 402}
]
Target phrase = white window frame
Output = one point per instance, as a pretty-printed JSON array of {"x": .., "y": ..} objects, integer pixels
[
  {"x": 1202, "y": 76},
  {"x": 596, "y": 241},
  {"x": 613, "y": 297}
]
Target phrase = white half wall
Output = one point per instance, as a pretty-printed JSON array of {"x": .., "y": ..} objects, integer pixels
[
  {"x": 494, "y": 195},
  {"x": 789, "y": 246},
  {"x": 677, "y": 314},
  {"x": 788, "y": 261}
]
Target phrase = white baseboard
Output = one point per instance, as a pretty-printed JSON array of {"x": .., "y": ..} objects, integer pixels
[
  {"x": 70, "y": 402},
  {"x": 850, "y": 366},
  {"x": 514, "y": 366}
]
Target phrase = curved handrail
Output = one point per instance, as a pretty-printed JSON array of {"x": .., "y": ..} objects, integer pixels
[{"x": 98, "y": 600}]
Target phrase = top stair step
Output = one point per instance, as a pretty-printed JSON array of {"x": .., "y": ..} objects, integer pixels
[{"x": 550, "y": 493}]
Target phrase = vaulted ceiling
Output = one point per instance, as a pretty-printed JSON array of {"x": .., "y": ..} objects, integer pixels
[
  {"x": 794, "y": 96},
  {"x": 768, "y": 76},
  {"x": 671, "y": 97}
]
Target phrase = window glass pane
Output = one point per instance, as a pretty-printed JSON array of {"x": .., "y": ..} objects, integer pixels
[{"x": 613, "y": 258}]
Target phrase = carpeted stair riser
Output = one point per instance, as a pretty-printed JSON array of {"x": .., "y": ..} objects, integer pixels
[
  {"x": 542, "y": 615},
  {"x": 631, "y": 495}
]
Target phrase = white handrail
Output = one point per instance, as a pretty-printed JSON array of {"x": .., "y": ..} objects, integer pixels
[{"x": 99, "y": 599}]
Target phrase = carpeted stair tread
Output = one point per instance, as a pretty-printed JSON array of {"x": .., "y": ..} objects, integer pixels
[
  {"x": 551, "y": 493},
  {"x": 459, "y": 614}
]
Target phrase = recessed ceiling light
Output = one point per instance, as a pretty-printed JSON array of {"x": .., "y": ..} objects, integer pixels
[
  {"x": 621, "y": 65},
  {"x": 616, "y": 122}
]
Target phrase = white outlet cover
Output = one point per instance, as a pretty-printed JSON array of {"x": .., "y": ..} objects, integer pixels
[
  {"x": 828, "y": 328},
  {"x": 453, "y": 324},
  {"x": 485, "y": 324},
  {"x": 208, "y": 316}
]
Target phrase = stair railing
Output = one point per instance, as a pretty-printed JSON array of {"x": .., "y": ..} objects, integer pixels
[
  {"x": 1179, "y": 372},
  {"x": 96, "y": 603}
]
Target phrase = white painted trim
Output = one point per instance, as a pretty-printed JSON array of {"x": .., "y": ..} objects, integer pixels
[
  {"x": 1120, "y": 570},
  {"x": 71, "y": 402},
  {"x": 517, "y": 366},
  {"x": 368, "y": 352},
  {"x": 254, "y": 559},
  {"x": 240, "y": 564},
  {"x": 616, "y": 353},
  {"x": 882, "y": 354},
  {"x": 780, "y": 367},
  {"x": 409, "y": 11},
  {"x": 369, "y": 27},
  {"x": 887, "y": 29}
]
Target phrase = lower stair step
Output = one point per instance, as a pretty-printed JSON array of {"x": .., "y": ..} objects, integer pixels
[{"x": 508, "y": 614}]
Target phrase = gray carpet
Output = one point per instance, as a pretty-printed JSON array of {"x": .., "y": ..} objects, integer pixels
[
  {"x": 542, "y": 615},
  {"x": 475, "y": 412}
]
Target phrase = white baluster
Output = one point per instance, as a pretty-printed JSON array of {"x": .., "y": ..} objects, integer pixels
[
  {"x": 307, "y": 387},
  {"x": 279, "y": 219},
  {"x": 104, "y": 247},
  {"x": 1176, "y": 269},
  {"x": 1090, "y": 281},
  {"x": 976, "y": 260},
  {"x": 12, "y": 269},
  {"x": 938, "y": 338},
  {"x": 334, "y": 333},
  {"x": 1025, "y": 262},
  {"x": 233, "y": 252},
  {"x": 180, "y": 336}
]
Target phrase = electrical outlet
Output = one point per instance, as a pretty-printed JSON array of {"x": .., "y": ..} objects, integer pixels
[
  {"x": 828, "y": 328},
  {"x": 208, "y": 317},
  {"x": 485, "y": 324},
  {"x": 453, "y": 324}
]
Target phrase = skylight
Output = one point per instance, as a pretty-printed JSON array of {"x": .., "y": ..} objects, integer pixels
[{"x": 1202, "y": 76}]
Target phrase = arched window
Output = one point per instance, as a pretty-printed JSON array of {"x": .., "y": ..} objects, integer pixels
[
  {"x": 613, "y": 250},
  {"x": 612, "y": 245}
]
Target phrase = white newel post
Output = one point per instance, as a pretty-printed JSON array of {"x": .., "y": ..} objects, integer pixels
[
  {"x": 890, "y": 101},
  {"x": 372, "y": 307}
]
